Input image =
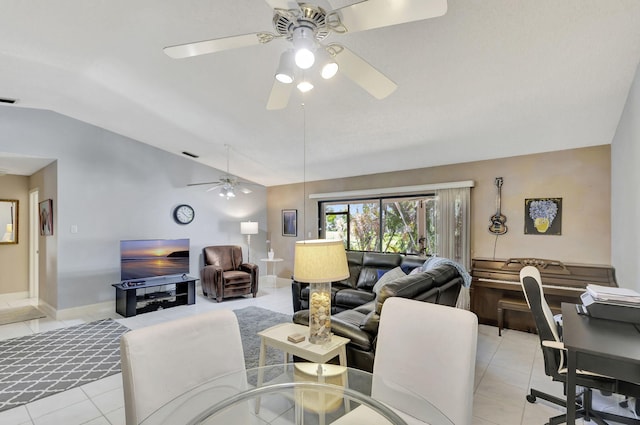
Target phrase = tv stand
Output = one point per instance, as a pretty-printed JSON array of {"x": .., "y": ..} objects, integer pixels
[{"x": 133, "y": 296}]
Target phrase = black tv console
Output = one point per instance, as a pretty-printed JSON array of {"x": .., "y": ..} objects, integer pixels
[{"x": 133, "y": 297}]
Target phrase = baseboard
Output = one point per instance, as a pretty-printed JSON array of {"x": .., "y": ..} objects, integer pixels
[
  {"x": 14, "y": 296},
  {"x": 106, "y": 307}
]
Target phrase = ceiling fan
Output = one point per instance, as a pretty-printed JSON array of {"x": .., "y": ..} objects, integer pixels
[
  {"x": 228, "y": 183},
  {"x": 307, "y": 26}
]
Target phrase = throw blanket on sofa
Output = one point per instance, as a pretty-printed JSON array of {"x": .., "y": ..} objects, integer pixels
[{"x": 464, "y": 299}]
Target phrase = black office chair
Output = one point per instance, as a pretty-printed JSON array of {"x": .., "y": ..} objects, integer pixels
[{"x": 555, "y": 361}]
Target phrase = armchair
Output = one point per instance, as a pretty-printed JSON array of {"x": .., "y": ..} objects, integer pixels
[{"x": 225, "y": 275}]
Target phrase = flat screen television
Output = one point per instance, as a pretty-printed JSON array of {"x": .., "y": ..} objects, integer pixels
[{"x": 141, "y": 259}]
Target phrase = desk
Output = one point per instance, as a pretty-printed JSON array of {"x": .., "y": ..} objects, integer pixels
[
  {"x": 602, "y": 346},
  {"x": 273, "y": 275},
  {"x": 229, "y": 399}
]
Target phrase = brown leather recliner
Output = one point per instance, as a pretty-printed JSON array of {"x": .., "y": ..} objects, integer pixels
[{"x": 225, "y": 275}]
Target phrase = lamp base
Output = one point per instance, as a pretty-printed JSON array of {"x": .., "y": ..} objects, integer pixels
[{"x": 320, "y": 313}]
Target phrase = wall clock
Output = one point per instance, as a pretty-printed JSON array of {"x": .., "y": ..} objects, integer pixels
[{"x": 183, "y": 214}]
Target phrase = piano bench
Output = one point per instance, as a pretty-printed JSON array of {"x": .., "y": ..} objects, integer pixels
[{"x": 515, "y": 305}]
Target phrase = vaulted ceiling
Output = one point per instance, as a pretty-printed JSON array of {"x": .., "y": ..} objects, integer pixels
[{"x": 487, "y": 79}]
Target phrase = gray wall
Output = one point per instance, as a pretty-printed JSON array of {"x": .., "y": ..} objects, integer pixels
[
  {"x": 625, "y": 196},
  {"x": 114, "y": 188}
]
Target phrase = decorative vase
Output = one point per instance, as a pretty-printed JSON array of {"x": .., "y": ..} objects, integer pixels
[
  {"x": 270, "y": 254},
  {"x": 320, "y": 312},
  {"x": 541, "y": 224}
]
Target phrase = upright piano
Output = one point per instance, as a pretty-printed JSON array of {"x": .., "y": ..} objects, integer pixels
[{"x": 493, "y": 280}]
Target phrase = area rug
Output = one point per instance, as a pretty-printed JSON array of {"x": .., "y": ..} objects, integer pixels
[
  {"x": 19, "y": 314},
  {"x": 40, "y": 365},
  {"x": 253, "y": 320}
]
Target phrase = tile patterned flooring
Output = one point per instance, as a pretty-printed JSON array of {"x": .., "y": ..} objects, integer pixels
[{"x": 505, "y": 368}]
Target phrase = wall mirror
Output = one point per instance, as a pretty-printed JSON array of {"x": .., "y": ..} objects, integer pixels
[{"x": 8, "y": 221}]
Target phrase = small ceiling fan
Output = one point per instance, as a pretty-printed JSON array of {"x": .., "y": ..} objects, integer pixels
[
  {"x": 307, "y": 26},
  {"x": 228, "y": 183}
]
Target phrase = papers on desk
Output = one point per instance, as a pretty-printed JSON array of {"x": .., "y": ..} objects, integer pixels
[{"x": 611, "y": 295}]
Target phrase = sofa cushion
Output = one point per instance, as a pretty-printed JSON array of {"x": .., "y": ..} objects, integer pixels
[
  {"x": 372, "y": 262},
  {"x": 409, "y": 286},
  {"x": 370, "y": 323},
  {"x": 388, "y": 277},
  {"x": 351, "y": 298},
  {"x": 442, "y": 273},
  {"x": 411, "y": 262},
  {"x": 347, "y": 324}
]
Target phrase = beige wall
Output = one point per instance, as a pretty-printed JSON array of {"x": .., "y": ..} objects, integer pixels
[
  {"x": 14, "y": 258},
  {"x": 581, "y": 177}
]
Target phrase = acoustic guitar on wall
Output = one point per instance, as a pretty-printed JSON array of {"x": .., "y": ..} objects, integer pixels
[{"x": 497, "y": 226}]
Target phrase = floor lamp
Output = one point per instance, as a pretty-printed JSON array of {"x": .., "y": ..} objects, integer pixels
[{"x": 249, "y": 228}]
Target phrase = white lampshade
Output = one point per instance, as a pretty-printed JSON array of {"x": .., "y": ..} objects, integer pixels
[
  {"x": 249, "y": 227},
  {"x": 9, "y": 228},
  {"x": 320, "y": 260}
]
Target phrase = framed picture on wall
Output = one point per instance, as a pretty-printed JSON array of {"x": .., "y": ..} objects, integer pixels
[
  {"x": 46, "y": 217},
  {"x": 543, "y": 216},
  {"x": 289, "y": 222}
]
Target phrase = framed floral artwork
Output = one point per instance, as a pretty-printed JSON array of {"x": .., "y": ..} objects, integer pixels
[{"x": 543, "y": 216}]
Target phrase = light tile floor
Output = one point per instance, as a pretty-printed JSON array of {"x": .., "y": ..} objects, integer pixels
[{"x": 505, "y": 368}]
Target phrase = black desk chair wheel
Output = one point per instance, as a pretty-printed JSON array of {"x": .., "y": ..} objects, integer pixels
[{"x": 555, "y": 361}]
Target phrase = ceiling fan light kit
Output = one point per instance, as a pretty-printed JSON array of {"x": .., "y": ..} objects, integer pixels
[
  {"x": 306, "y": 26},
  {"x": 305, "y": 86},
  {"x": 285, "y": 73},
  {"x": 304, "y": 45},
  {"x": 228, "y": 183}
]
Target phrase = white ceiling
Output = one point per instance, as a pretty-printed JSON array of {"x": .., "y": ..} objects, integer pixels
[{"x": 491, "y": 78}]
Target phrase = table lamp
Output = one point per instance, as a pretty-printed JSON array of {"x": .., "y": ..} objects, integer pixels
[
  {"x": 249, "y": 228},
  {"x": 318, "y": 263}
]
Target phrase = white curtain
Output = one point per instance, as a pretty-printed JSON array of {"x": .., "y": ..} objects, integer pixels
[
  {"x": 453, "y": 229},
  {"x": 453, "y": 225}
]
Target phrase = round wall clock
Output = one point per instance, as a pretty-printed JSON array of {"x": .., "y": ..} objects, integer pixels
[{"x": 183, "y": 214}]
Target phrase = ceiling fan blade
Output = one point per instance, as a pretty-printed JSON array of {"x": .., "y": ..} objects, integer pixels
[
  {"x": 372, "y": 14},
  {"x": 214, "y": 187},
  {"x": 204, "y": 183},
  {"x": 198, "y": 48},
  {"x": 245, "y": 190},
  {"x": 283, "y": 4},
  {"x": 361, "y": 72},
  {"x": 279, "y": 97}
]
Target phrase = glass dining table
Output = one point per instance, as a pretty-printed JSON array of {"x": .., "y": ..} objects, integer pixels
[{"x": 300, "y": 394}]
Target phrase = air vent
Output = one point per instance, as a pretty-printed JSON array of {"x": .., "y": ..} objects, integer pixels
[
  {"x": 7, "y": 100},
  {"x": 192, "y": 155}
]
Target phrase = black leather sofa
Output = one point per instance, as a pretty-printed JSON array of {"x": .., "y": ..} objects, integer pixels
[{"x": 356, "y": 308}]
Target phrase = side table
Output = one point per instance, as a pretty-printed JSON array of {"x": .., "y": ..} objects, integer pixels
[
  {"x": 273, "y": 277},
  {"x": 276, "y": 337}
]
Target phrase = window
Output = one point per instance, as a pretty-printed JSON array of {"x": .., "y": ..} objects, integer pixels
[
  {"x": 382, "y": 224},
  {"x": 431, "y": 224}
]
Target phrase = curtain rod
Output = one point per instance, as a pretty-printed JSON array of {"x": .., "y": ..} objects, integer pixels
[{"x": 393, "y": 190}]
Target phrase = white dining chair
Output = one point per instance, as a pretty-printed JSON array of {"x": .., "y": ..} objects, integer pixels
[
  {"x": 429, "y": 350},
  {"x": 163, "y": 361}
]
